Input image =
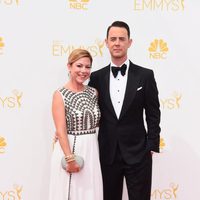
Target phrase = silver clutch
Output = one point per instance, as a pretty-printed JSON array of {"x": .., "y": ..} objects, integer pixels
[{"x": 78, "y": 159}]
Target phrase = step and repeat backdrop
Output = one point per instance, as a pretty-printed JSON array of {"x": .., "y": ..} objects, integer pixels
[{"x": 36, "y": 38}]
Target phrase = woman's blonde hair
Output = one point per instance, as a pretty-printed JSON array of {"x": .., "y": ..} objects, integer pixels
[{"x": 78, "y": 54}]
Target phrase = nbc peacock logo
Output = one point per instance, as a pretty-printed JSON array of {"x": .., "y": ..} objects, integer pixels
[
  {"x": 2, "y": 145},
  {"x": 78, "y": 4},
  {"x": 1, "y": 45},
  {"x": 158, "y": 49}
]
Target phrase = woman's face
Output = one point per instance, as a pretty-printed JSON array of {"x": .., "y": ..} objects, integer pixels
[{"x": 80, "y": 70}]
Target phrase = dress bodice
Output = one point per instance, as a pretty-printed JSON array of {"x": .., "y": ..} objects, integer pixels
[{"x": 81, "y": 110}]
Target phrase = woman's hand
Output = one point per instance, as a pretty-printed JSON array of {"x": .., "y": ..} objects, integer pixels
[{"x": 72, "y": 167}]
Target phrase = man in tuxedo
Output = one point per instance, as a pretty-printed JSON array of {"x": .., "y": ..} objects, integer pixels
[{"x": 127, "y": 137}]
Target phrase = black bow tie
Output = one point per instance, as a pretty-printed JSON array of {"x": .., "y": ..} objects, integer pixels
[{"x": 122, "y": 69}]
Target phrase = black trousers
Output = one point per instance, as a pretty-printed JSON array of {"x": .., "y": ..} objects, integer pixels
[{"x": 138, "y": 178}]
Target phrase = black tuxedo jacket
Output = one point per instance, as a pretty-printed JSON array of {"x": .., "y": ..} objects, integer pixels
[{"x": 135, "y": 133}]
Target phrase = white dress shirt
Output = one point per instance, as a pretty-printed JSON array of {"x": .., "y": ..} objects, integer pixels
[{"x": 118, "y": 88}]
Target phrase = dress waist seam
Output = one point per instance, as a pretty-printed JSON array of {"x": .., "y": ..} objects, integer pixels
[{"x": 82, "y": 132}]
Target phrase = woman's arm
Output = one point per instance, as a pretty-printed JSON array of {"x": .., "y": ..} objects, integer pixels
[{"x": 58, "y": 111}]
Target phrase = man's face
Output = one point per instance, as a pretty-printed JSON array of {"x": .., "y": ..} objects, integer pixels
[{"x": 118, "y": 42}]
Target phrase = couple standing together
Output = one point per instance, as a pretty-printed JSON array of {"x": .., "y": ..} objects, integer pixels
[{"x": 115, "y": 100}]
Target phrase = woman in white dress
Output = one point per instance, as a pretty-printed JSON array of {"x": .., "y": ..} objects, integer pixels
[{"x": 76, "y": 116}]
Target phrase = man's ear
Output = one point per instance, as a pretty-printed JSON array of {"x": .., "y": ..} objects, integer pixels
[{"x": 130, "y": 42}]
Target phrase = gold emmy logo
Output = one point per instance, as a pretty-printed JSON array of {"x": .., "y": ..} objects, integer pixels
[
  {"x": 154, "y": 5},
  {"x": 96, "y": 49},
  {"x": 100, "y": 45},
  {"x": 10, "y": 2},
  {"x": 162, "y": 143},
  {"x": 15, "y": 193},
  {"x": 18, "y": 190},
  {"x": 172, "y": 102},
  {"x": 1, "y": 45},
  {"x": 18, "y": 96},
  {"x": 83, "y": 1},
  {"x": 78, "y": 4},
  {"x": 11, "y": 101},
  {"x": 165, "y": 193},
  {"x": 2, "y": 144},
  {"x": 158, "y": 49}
]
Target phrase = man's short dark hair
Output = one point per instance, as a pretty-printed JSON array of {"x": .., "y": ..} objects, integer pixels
[{"x": 120, "y": 24}]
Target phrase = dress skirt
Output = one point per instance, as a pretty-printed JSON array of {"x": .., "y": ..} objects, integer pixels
[{"x": 83, "y": 185}]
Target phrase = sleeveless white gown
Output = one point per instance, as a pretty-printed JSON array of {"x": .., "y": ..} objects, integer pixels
[{"x": 82, "y": 120}]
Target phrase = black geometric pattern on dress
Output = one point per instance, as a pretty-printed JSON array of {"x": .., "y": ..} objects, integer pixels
[{"x": 81, "y": 110}]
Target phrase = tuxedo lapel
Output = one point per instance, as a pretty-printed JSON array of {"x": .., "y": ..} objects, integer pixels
[
  {"x": 131, "y": 88},
  {"x": 106, "y": 90}
]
